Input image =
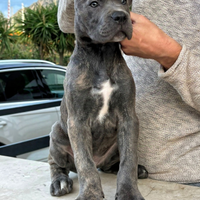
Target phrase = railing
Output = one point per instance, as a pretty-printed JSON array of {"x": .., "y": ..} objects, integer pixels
[{"x": 18, "y": 148}]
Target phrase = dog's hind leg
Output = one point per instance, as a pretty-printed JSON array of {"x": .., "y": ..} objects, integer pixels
[
  {"x": 142, "y": 172},
  {"x": 61, "y": 161},
  {"x": 61, "y": 183}
]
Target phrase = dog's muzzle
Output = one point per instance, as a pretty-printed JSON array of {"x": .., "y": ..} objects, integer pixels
[
  {"x": 122, "y": 19},
  {"x": 119, "y": 17}
]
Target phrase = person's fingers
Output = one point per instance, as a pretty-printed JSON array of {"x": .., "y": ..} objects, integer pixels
[{"x": 134, "y": 17}]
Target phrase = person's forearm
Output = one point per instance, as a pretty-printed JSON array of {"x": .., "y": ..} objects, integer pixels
[
  {"x": 148, "y": 41},
  {"x": 169, "y": 54}
]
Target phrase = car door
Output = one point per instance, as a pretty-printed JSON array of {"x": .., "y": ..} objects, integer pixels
[
  {"x": 28, "y": 110},
  {"x": 52, "y": 80}
]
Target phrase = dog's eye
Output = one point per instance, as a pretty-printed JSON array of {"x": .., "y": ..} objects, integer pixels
[
  {"x": 123, "y": 2},
  {"x": 94, "y": 4}
]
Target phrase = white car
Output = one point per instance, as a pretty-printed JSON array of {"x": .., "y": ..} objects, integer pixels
[
  {"x": 26, "y": 61},
  {"x": 30, "y": 97}
]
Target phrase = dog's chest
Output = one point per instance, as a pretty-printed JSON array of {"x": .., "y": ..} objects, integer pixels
[{"x": 105, "y": 91}]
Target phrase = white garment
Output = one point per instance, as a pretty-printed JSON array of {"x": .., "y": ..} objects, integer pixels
[{"x": 168, "y": 103}]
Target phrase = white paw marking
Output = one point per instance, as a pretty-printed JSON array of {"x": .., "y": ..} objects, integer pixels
[{"x": 63, "y": 185}]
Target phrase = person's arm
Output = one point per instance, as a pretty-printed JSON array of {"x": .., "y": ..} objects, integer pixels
[
  {"x": 148, "y": 41},
  {"x": 180, "y": 67},
  {"x": 184, "y": 76}
]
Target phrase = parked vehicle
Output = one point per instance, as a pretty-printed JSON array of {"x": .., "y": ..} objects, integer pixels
[
  {"x": 30, "y": 97},
  {"x": 26, "y": 61}
]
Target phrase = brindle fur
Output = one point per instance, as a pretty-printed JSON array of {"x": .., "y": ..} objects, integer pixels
[{"x": 80, "y": 141}]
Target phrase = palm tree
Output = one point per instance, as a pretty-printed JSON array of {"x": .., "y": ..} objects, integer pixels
[
  {"x": 7, "y": 35},
  {"x": 63, "y": 42},
  {"x": 38, "y": 26}
]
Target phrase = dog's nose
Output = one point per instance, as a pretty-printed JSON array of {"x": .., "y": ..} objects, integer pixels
[{"x": 119, "y": 17}]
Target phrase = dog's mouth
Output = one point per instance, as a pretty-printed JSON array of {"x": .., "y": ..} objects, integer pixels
[
  {"x": 117, "y": 36},
  {"x": 120, "y": 36}
]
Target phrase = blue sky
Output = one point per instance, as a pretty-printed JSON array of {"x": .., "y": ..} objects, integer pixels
[{"x": 14, "y": 4}]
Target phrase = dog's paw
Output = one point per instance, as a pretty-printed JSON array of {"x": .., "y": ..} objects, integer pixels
[
  {"x": 89, "y": 198},
  {"x": 91, "y": 195},
  {"x": 142, "y": 172},
  {"x": 130, "y": 197},
  {"x": 61, "y": 185}
]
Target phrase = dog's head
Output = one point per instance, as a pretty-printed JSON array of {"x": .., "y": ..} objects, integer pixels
[{"x": 99, "y": 21}]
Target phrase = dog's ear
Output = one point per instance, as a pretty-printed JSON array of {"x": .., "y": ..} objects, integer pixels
[{"x": 66, "y": 15}]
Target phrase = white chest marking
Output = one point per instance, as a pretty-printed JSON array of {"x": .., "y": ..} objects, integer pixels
[{"x": 106, "y": 92}]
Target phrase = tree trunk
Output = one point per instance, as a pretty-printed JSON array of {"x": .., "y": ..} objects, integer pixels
[
  {"x": 2, "y": 49},
  {"x": 61, "y": 57},
  {"x": 41, "y": 52}
]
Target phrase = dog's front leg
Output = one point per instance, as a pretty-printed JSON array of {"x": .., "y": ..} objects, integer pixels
[
  {"x": 127, "y": 175},
  {"x": 81, "y": 142}
]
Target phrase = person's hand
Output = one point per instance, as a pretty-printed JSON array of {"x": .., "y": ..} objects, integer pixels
[{"x": 148, "y": 41}]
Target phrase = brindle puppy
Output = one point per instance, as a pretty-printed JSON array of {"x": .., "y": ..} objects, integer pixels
[{"x": 98, "y": 125}]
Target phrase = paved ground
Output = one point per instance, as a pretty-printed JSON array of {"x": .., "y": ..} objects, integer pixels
[{"x": 24, "y": 179}]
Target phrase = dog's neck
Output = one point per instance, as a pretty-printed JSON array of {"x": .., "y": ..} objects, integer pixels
[
  {"x": 97, "y": 50},
  {"x": 98, "y": 56}
]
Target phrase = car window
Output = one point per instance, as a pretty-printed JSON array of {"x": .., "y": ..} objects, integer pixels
[
  {"x": 2, "y": 86},
  {"x": 53, "y": 80},
  {"x": 18, "y": 86}
]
